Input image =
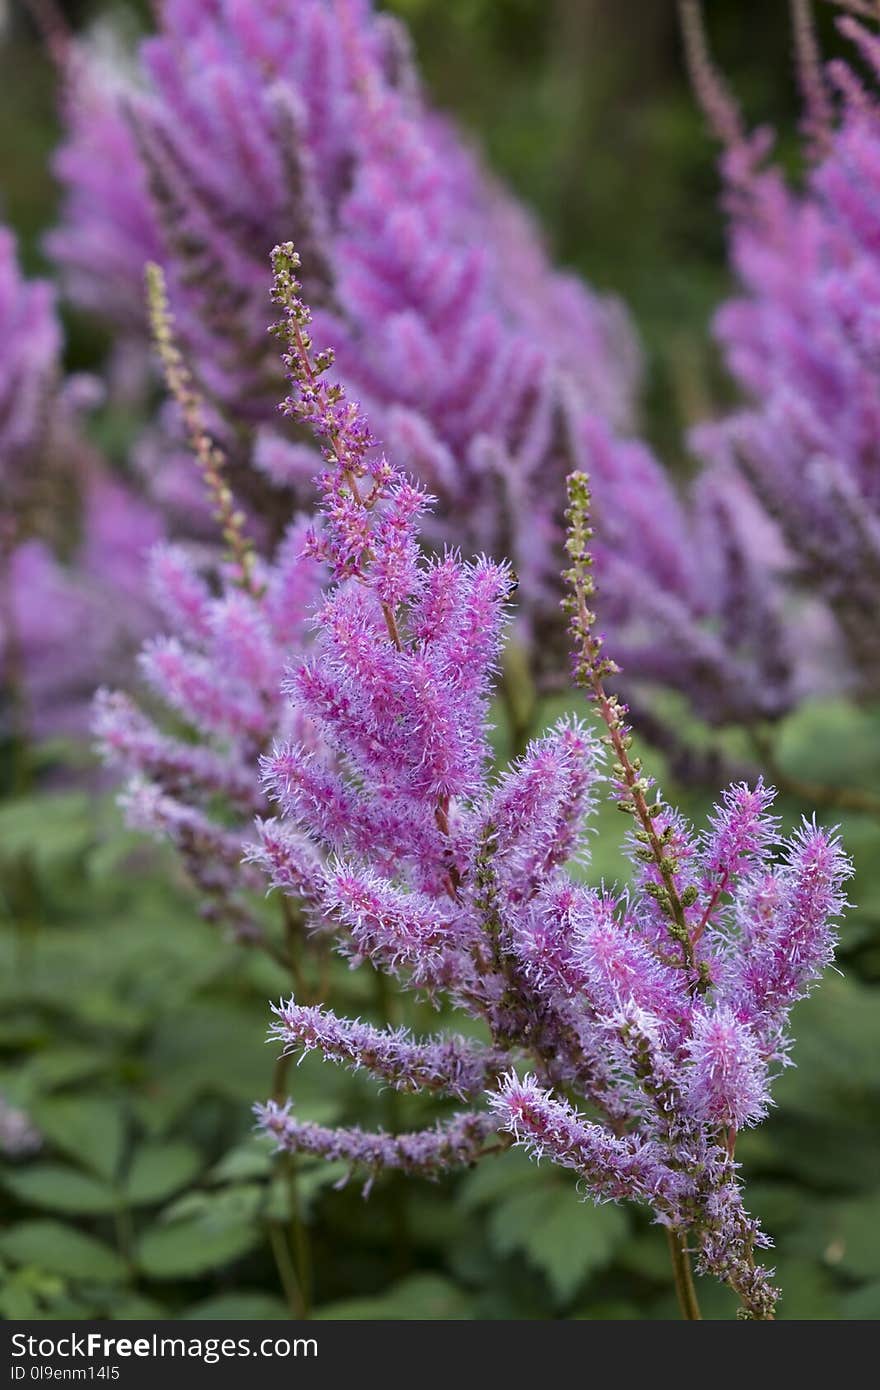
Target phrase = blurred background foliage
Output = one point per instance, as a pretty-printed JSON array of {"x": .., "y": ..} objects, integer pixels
[{"x": 132, "y": 1034}]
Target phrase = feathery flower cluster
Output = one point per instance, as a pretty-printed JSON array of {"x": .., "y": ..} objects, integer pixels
[
  {"x": 801, "y": 339},
  {"x": 250, "y": 124},
  {"x": 631, "y": 1033},
  {"x": 70, "y": 590}
]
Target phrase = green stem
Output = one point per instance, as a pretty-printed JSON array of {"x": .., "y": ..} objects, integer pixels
[
  {"x": 124, "y": 1235},
  {"x": 683, "y": 1276},
  {"x": 286, "y": 1271},
  {"x": 520, "y": 700},
  {"x": 397, "y": 1190},
  {"x": 297, "y": 1236}
]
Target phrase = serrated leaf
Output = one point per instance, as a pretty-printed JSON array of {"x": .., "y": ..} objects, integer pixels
[
  {"x": 88, "y": 1129},
  {"x": 862, "y": 1303},
  {"x": 853, "y": 1244},
  {"x": 562, "y": 1237},
  {"x": 421, "y": 1297},
  {"x": 59, "y": 1188},
  {"x": 244, "y": 1306},
  {"x": 135, "y": 1308},
  {"x": 159, "y": 1170},
  {"x": 250, "y": 1160},
  {"x": 60, "y": 1249},
  {"x": 489, "y": 1181},
  {"x": 46, "y": 828},
  {"x": 62, "y": 1066},
  {"x": 186, "y": 1249}
]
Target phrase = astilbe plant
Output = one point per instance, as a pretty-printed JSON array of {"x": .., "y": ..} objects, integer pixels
[
  {"x": 71, "y": 534},
  {"x": 800, "y": 338},
  {"x": 309, "y": 118},
  {"x": 631, "y": 1033}
]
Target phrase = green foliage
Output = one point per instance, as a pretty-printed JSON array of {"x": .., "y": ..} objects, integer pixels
[
  {"x": 159, "y": 1170},
  {"x": 420, "y": 1297},
  {"x": 189, "y": 1246},
  {"x": 55, "y": 1187},
  {"x": 535, "y": 1213},
  {"x": 56, "y": 1248}
]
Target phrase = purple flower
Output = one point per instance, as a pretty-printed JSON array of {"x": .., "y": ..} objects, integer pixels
[
  {"x": 661, "y": 1008},
  {"x": 448, "y": 1065},
  {"x": 727, "y": 1083},
  {"x": 242, "y": 129},
  {"x": 427, "y": 1153}
]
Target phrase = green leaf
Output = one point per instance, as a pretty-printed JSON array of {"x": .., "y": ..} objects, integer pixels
[
  {"x": 563, "y": 1238},
  {"x": 210, "y": 1048},
  {"x": 862, "y": 1303},
  {"x": 808, "y": 1293},
  {"x": 252, "y": 1159},
  {"x": 17, "y": 1304},
  {"x": 502, "y": 1176},
  {"x": 62, "y": 1066},
  {"x": 243, "y": 1306},
  {"x": 187, "y": 1248},
  {"x": 46, "y": 829},
  {"x": 421, "y": 1297},
  {"x": 243, "y": 1201},
  {"x": 159, "y": 1170},
  {"x": 136, "y": 1308},
  {"x": 60, "y": 1249},
  {"x": 89, "y": 1129},
  {"x": 59, "y": 1188},
  {"x": 615, "y": 1310},
  {"x": 854, "y": 1238},
  {"x": 646, "y": 1254}
]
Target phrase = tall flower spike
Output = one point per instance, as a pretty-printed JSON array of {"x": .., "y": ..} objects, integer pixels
[
  {"x": 591, "y": 668},
  {"x": 208, "y": 455}
]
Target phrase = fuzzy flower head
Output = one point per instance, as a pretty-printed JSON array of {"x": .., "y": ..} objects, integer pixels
[
  {"x": 403, "y": 656},
  {"x": 727, "y": 1082}
]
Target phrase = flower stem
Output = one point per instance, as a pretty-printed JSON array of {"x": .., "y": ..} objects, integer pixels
[
  {"x": 518, "y": 695},
  {"x": 286, "y": 1271},
  {"x": 683, "y": 1277},
  {"x": 292, "y": 1248}
]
